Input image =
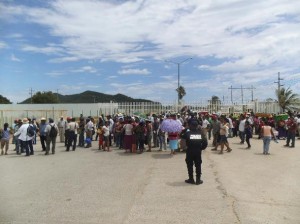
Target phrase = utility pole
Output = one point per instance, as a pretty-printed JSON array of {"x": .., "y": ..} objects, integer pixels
[
  {"x": 242, "y": 92},
  {"x": 30, "y": 92},
  {"x": 178, "y": 74},
  {"x": 57, "y": 95},
  {"x": 278, "y": 82},
  {"x": 278, "y": 90}
]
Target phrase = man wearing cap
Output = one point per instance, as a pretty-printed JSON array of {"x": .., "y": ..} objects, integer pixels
[
  {"x": 26, "y": 141},
  {"x": 88, "y": 130},
  {"x": 42, "y": 132},
  {"x": 50, "y": 139},
  {"x": 196, "y": 142},
  {"x": 61, "y": 129},
  {"x": 67, "y": 130}
]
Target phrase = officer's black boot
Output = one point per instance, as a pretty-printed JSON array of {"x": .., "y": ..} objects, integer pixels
[
  {"x": 190, "y": 180},
  {"x": 198, "y": 180}
]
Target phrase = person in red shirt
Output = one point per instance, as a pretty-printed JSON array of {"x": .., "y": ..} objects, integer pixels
[{"x": 291, "y": 132}]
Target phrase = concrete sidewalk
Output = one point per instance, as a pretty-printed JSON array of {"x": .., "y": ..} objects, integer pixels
[{"x": 91, "y": 186}]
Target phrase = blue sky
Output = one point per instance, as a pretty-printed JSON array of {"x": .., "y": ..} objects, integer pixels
[{"x": 111, "y": 46}]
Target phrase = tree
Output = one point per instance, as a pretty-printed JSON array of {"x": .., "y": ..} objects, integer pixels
[
  {"x": 4, "y": 100},
  {"x": 287, "y": 100},
  {"x": 181, "y": 92},
  {"x": 44, "y": 97}
]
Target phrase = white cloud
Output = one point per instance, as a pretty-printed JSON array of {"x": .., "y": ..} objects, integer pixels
[
  {"x": 134, "y": 72},
  {"x": 55, "y": 74},
  {"x": 15, "y": 35},
  {"x": 63, "y": 59},
  {"x": 49, "y": 50},
  {"x": 92, "y": 86},
  {"x": 69, "y": 88},
  {"x": 170, "y": 28},
  {"x": 168, "y": 77},
  {"x": 14, "y": 58},
  {"x": 2, "y": 44},
  {"x": 112, "y": 77},
  {"x": 246, "y": 42},
  {"x": 85, "y": 69}
]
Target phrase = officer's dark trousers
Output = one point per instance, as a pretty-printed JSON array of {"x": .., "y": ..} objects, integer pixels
[
  {"x": 72, "y": 140},
  {"x": 192, "y": 158},
  {"x": 66, "y": 137}
]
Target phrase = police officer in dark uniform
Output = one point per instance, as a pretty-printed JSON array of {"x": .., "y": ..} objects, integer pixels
[{"x": 196, "y": 142}]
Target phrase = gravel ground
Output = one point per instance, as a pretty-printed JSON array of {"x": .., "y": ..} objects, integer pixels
[{"x": 92, "y": 186}]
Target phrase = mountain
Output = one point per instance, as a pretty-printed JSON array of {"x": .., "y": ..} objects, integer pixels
[{"x": 92, "y": 97}]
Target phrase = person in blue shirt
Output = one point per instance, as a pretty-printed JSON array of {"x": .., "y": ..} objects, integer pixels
[
  {"x": 5, "y": 136},
  {"x": 42, "y": 133}
]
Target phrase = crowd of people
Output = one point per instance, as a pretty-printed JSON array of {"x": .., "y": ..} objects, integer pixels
[{"x": 135, "y": 134}]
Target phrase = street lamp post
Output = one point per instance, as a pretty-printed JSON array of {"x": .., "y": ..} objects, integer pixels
[{"x": 178, "y": 72}]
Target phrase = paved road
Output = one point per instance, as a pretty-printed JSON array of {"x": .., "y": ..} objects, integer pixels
[{"x": 89, "y": 186}]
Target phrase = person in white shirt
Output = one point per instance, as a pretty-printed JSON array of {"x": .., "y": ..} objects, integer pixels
[
  {"x": 111, "y": 127},
  {"x": 72, "y": 126},
  {"x": 205, "y": 125},
  {"x": 242, "y": 128},
  {"x": 106, "y": 133},
  {"x": 89, "y": 127},
  {"x": 61, "y": 127},
  {"x": 230, "y": 127},
  {"x": 26, "y": 141}
]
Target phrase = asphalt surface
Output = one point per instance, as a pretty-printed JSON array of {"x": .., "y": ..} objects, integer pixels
[{"x": 92, "y": 186}]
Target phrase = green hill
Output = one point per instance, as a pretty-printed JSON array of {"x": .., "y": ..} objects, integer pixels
[{"x": 92, "y": 97}]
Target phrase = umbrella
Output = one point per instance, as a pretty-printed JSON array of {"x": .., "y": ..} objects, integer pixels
[{"x": 170, "y": 125}]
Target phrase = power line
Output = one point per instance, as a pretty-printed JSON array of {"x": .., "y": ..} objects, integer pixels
[
  {"x": 278, "y": 89},
  {"x": 30, "y": 93},
  {"x": 242, "y": 92},
  {"x": 57, "y": 95}
]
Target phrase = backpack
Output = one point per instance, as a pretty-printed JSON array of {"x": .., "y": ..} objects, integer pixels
[
  {"x": 30, "y": 131},
  {"x": 53, "y": 132}
]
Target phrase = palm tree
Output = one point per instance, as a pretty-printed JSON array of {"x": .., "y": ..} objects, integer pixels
[
  {"x": 287, "y": 100},
  {"x": 181, "y": 92}
]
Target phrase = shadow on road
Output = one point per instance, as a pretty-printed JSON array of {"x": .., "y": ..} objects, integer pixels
[
  {"x": 127, "y": 154},
  {"x": 261, "y": 154},
  {"x": 161, "y": 156}
]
